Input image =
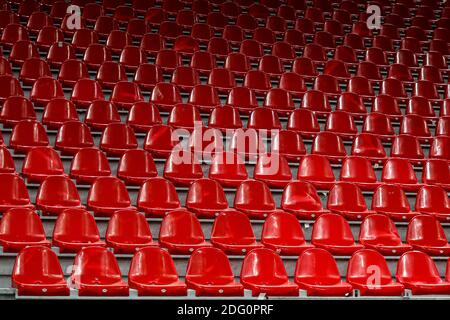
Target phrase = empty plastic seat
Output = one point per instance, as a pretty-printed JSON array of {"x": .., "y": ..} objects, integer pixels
[
  {"x": 168, "y": 59},
  {"x": 379, "y": 124},
  {"x": 254, "y": 198},
  {"x": 209, "y": 273},
  {"x": 317, "y": 273},
  {"x": 360, "y": 268},
  {"x": 28, "y": 134},
  {"x": 271, "y": 65},
  {"x": 101, "y": 113},
  {"x": 228, "y": 169},
  {"x": 301, "y": 199},
  {"x": 159, "y": 140},
  {"x": 88, "y": 164},
  {"x": 57, "y": 193},
  {"x": 204, "y": 97},
  {"x": 232, "y": 232},
  {"x": 73, "y": 136},
  {"x": 336, "y": 68},
  {"x": 407, "y": 147},
  {"x": 222, "y": 79},
  {"x": 224, "y": 117},
  {"x": 332, "y": 232},
  {"x": 182, "y": 167},
  {"x": 243, "y": 99},
  {"x": 96, "y": 272},
  {"x": 342, "y": 124},
  {"x": 263, "y": 118},
  {"x": 185, "y": 78},
  {"x": 263, "y": 272},
  {"x": 443, "y": 127},
  {"x": 338, "y": 200},
  {"x": 273, "y": 169},
  {"x": 181, "y": 233},
  {"x": 41, "y": 162},
  {"x": 85, "y": 92},
  {"x": 368, "y": 70},
  {"x": 351, "y": 103},
  {"x": 317, "y": 170},
  {"x": 317, "y": 102},
  {"x": 378, "y": 232},
  {"x": 330, "y": 145},
  {"x": 165, "y": 96},
  {"x": 117, "y": 138},
  {"x": 283, "y": 233},
  {"x": 436, "y": 172},
  {"x": 75, "y": 229},
  {"x": 416, "y": 126},
  {"x": 37, "y": 272},
  {"x": 32, "y": 69},
  {"x": 304, "y": 122},
  {"x": 125, "y": 94},
  {"x": 165, "y": 201},
  {"x": 12, "y": 33},
  {"x": 14, "y": 193},
  {"x": 117, "y": 40},
  {"x": 440, "y": 148},
  {"x": 401, "y": 172},
  {"x": 418, "y": 273},
  {"x": 10, "y": 86},
  {"x": 6, "y": 161},
  {"x": 109, "y": 73},
  {"x": 420, "y": 106},
  {"x": 19, "y": 228},
  {"x": 257, "y": 81},
  {"x": 359, "y": 170},
  {"x": 136, "y": 166},
  {"x": 206, "y": 198},
  {"x": 327, "y": 84},
  {"x": 106, "y": 195},
  {"x": 391, "y": 200},
  {"x": 128, "y": 231},
  {"x": 288, "y": 144},
  {"x": 433, "y": 200},
  {"x": 57, "y": 112},
  {"x": 394, "y": 88},
  {"x": 387, "y": 105},
  {"x": 293, "y": 83},
  {"x": 60, "y": 52},
  {"x": 82, "y": 38},
  {"x": 426, "y": 234},
  {"x": 147, "y": 76},
  {"x": 44, "y": 90},
  {"x": 153, "y": 272},
  {"x": 71, "y": 71},
  {"x": 279, "y": 100}
]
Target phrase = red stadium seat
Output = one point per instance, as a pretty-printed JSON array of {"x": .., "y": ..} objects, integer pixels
[
  {"x": 96, "y": 273},
  {"x": 436, "y": 172},
  {"x": 14, "y": 193},
  {"x": 317, "y": 273},
  {"x": 338, "y": 200},
  {"x": 440, "y": 148},
  {"x": 420, "y": 106},
  {"x": 206, "y": 198},
  {"x": 83, "y": 38},
  {"x": 283, "y": 233},
  {"x": 41, "y": 162},
  {"x": 28, "y": 134},
  {"x": 416, "y": 126},
  {"x": 95, "y": 55},
  {"x": 358, "y": 271},
  {"x": 407, "y": 147},
  {"x": 224, "y": 117},
  {"x": 85, "y": 92},
  {"x": 228, "y": 169},
  {"x": 254, "y": 198},
  {"x": 73, "y": 136},
  {"x": 181, "y": 233},
  {"x": 44, "y": 90},
  {"x": 6, "y": 161},
  {"x": 342, "y": 124},
  {"x": 263, "y": 272},
  {"x": 185, "y": 78},
  {"x": 418, "y": 273},
  {"x": 378, "y": 232},
  {"x": 100, "y": 113},
  {"x": 37, "y": 272},
  {"x": 165, "y": 96},
  {"x": 203, "y": 62},
  {"x": 317, "y": 170},
  {"x": 147, "y": 76},
  {"x": 221, "y": 79},
  {"x": 117, "y": 40},
  {"x": 57, "y": 112},
  {"x": 33, "y": 69},
  {"x": 182, "y": 168},
  {"x": 204, "y": 97},
  {"x": 301, "y": 199},
  {"x": 378, "y": 124},
  {"x": 390, "y": 199},
  {"x": 401, "y": 172},
  {"x": 88, "y": 164},
  {"x": 329, "y": 145},
  {"x": 443, "y": 127},
  {"x": 317, "y": 102},
  {"x": 125, "y": 94},
  {"x": 117, "y": 138},
  {"x": 359, "y": 171},
  {"x": 109, "y": 73},
  {"x": 12, "y": 33},
  {"x": 75, "y": 229},
  {"x": 10, "y": 86},
  {"x": 232, "y": 232},
  {"x": 293, "y": 83},
  {"x": 57, "y": 193},
  {"x": 136, "y": 166},
  {"x": 279, "y": 100},
  {"x": 71, "y": 71},
  {"x": 426, "y": 234},
  {"x": 304, "y": 122},
  {"x": 288, "y": 144},
  {"x": 243, "y": 99},
  {"x": 263, "y": 118},
  {"x": 153, "y": 272},
  {"x": 273, "y": 169},
  {"x": 60, "y": 52},
  {"x": 332, "y": 232},
  {"x": 167, "y": 199},
  {"x": 20, "y": 228},
  {"x": 257, "y": 81},
  {"x": 351, "y": 103},
  {"x": 105, "y": 201},
  {"x": 128, "y": 231},
  {"x": 433, "y": 200},
  {"x": 159, "y": 141},
  {"x": 387, "y": 105},
  {"x": 209, "y": 273}
]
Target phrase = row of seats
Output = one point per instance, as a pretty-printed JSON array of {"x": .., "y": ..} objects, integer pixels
[
  {"x": 152, "y": 272},
  {"x": 181, "y": 233}
]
